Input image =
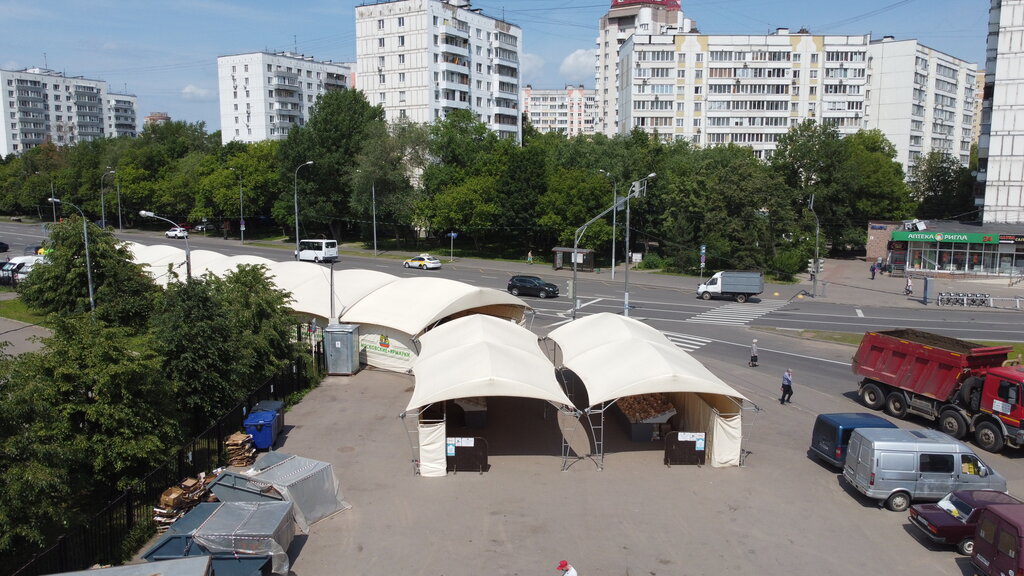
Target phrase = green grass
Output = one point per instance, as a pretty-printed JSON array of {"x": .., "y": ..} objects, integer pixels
[
  {"x": 854, "y": 338},
  {"x": 15, "y": 309}
]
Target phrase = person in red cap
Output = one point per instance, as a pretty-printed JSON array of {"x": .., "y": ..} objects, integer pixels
[{"x": 567, "y": 568}]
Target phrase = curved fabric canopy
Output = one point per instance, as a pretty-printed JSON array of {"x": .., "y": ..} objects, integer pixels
[
  {"x": 616, "y": 356},
  {"x": 475, "y": 328},
  {"x": 411, "y": 305}
]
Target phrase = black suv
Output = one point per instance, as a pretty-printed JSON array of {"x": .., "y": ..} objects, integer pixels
[{"x": 532, "y": 286}]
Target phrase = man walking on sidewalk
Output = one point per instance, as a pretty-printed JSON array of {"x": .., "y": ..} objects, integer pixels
[{"x": 787, "y": 386}]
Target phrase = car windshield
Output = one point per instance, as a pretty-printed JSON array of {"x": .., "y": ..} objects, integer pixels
[{"x": 956, "y": 507}]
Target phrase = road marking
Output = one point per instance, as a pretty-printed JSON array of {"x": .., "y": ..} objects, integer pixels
[
  {"x": 860, "y": 313},
  {"x": 687, "y": 342},
  {"x": 738, "y": 314},
  {"x": 585, "y": 304}
]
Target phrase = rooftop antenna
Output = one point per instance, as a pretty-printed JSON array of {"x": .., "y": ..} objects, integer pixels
[
  {"x": 45, "y": 65},
  {"x": 295, "y": 41}
]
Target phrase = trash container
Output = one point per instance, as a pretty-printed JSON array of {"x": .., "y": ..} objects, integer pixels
[
  {"x": 275, "y": 406},
  {"x": 261, "y": 426}
]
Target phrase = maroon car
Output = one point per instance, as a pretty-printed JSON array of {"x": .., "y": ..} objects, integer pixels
[{"x": 952, "y": 520}]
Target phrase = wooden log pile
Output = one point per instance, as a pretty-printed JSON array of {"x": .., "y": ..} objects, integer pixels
[
  {"x": 240, "y": 449},
  {"x": 645, "y": 406}
]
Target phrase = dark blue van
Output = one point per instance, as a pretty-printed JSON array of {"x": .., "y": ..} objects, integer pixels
[{"x": 832, "y": 433}]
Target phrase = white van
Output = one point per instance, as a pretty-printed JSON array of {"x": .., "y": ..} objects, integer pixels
[
  {"x": 898, "y": 466},
  {"x": 16, "y": 269},
  {"x": 318, "y": 250}
]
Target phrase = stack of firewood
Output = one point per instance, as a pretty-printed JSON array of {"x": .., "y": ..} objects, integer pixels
[
  {"x": 241, "y": 451},
  {"x": 643, "y": 406},
  {"x": 180, "y": 498}
]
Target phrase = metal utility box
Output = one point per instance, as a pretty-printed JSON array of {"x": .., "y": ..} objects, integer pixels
[{"x": 342, "y": 344}]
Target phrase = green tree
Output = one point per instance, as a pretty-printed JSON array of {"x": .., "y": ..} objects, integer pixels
[
  {"x": 943, "y": 186},
  {"x": 123, "y": 292},
  {"x": 870, "y": 185}
]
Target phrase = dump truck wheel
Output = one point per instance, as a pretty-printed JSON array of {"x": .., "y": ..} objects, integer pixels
[
  {"x": 988, "y": 437},
  {"x": 872, "y": 396},
  {"x": 896, "y": 405},
  {"x": 953, "y": 423}
]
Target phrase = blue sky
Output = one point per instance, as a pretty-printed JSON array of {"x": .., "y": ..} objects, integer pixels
[{"x": 166, "y": 52}]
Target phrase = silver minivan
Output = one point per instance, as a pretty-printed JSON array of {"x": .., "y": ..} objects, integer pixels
[{"x": 898, "y": 466}]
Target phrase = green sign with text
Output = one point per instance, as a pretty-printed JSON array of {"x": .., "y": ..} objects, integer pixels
[{"x": 972, "y": 237}]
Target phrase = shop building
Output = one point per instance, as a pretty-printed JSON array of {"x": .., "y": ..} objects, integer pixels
[{"x": 955, "y": 248}]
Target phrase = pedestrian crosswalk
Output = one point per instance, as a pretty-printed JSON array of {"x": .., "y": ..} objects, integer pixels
[
  {"x": 686, "y": 342},
  {"x": 737, "y": 314}
]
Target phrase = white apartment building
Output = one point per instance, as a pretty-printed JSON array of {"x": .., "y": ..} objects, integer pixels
[
  {"x": 41, "y": 105},
  {"x": 625, "y": 17},
  {"x": 571, "y": 110},
  {"x": 1001, "y": 147},
  {"x": 264, "y": 94},
  {"x": 749, "y": 90},
  {"x": 122, "y": 119},
  {"x": 419, "y": 59},
  {"x": 921, "y": 99}
]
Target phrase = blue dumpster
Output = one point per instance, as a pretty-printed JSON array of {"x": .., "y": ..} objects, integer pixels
[
  {"x": 276, "y": 406},
  {"x": 261, "y": 425}
]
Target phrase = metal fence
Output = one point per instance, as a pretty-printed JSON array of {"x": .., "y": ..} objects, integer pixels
[{"x": 101, "y": 539}]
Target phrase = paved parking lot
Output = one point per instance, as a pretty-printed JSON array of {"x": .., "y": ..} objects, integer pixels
[{"x": 782, "y": 513}]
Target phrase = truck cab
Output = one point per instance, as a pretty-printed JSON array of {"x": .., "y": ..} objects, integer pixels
[{"x": 999, "y": 397}]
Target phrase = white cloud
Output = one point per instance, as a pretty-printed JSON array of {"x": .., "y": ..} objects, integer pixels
[
  {"x": 578, "y": 67},
  {"x": 196, "y": 93}
]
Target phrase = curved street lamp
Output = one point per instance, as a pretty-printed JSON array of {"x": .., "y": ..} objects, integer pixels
[
  {"x": 88, "y": 261},
  {"x": 296, "y": 188},
  {"x": 615, "y": 200},
  {"x": 103, "y": 203},
  {"x": 188, "y": 253}
]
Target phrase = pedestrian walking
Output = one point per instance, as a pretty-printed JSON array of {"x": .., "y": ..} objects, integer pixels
[
  {"x": 873, "y": 269},
  {"x": 529, "y": 257},
  {"x": 567, "y": 568},
  {"x": 787, "y": 386},
  {"x": 909, "y": 288},
  {"x": 753, "y": 353}
]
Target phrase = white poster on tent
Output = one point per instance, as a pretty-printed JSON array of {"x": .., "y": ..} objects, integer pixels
[
  {"x": 385, "y": 348},
  {"x": 433, "y": 460}
]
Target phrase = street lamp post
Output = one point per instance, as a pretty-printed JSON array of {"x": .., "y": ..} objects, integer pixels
[
  {"x": 103, "y": 203},
  {"x": 120, "y": 228},
  {"x": 296, "y": 188},
  {"x": 241, "y": 217},
  {"x": 615, "y": 213},
  {"x": 373, "y": 199},
  {"x": 638, "y": 189},
  {"x": 88, "y": 260},
  {"x": 188, "y": 253},
  {"x": 817, "y": 230}
]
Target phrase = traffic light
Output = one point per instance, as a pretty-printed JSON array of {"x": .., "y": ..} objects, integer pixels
[
  {"x": 811, "y": 268},
  {"x": 810, "y": 265}
]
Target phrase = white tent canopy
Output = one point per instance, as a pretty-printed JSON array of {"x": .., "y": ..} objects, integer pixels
[
  {"x": 412, "y": 305},
  {"x": 615, "y": 356},
  {"x": 482, "y": 356}
]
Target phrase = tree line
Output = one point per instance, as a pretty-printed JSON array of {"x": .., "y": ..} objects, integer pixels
[
  {"x": 419, "y": 182},
  {"x": 114, "y": 390}
]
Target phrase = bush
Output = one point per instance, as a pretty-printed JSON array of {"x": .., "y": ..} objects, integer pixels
[
  {"x": 653, "y": 261},
  {"x": 786, "y": 264}
]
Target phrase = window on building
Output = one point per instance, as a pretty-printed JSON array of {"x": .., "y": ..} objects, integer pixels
[
  {"x": 245, "y": 68},
  {"x": 401, "y": 41},
  {"x": 380, "y": 78},
  {"x": 401, "y": 95},
  {"x": 401, "y": 21},
  {"x": 401, "y": 58},
  {"x": 401, "y": 77},
  {"x": 380, "y": 61},
  {"x": 380, "y": 42},
  {"x": 380, "y": 24}
]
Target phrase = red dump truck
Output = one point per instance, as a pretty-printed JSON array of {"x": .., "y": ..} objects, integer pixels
[{"x": 967, "y": 387}]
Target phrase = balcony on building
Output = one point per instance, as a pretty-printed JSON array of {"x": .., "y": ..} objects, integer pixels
[{"x": 455, "y": 28}]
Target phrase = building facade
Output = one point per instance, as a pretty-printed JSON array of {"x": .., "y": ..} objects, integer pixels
[
  {"x": 624, "y": 18},
  {"x": 750, "y": 90},
  {"x": 571, "y": 110},
  {"x": 420, "y": 59},
  {"x": 921, "y": 99},
  {"x": 263, "y": 94},
  {"x": 41, "y": 105},
  {"x": 1001, "y": 146}
]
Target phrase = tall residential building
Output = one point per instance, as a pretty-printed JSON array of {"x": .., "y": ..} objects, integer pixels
[
  {"x": 921, "y": 99},
  {"x": 122, "y": 119},
  {"x": 420, "y": 59},
  {"x": 42, "y": 105},
  {"x": 749, "y": 90},
  {"x": 1001, "y": 147},
  {"x": 264, "y": 94},
  {"x": 625, "y": 17},
  {"x": 571, "y": 110}
]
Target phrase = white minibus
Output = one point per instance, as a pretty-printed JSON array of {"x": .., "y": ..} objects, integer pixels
[{"x": 318, "y": 250}]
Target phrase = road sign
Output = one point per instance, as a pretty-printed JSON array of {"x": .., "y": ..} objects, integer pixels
[
  {"x": 703, "y": 250},
  {"x": 453, "y": 235}
]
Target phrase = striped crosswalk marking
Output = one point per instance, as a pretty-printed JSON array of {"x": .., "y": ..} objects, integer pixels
[
  {"x": 737, "y": 314},
  {"x": 686, "y": 342}
]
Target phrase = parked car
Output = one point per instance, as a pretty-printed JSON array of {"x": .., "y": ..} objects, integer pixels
[
  {"x": 4, "y": 247},
  {"x": 831, "y": 433},
  {"x": 952, "y": 520},
  {"x": 206, "y": 227},
  {"x": 423, "y": 262},
  {"x": 531, "y": 286},
  {"x": 897, "y": 466},
  {"x": 176, "y": 232}
]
